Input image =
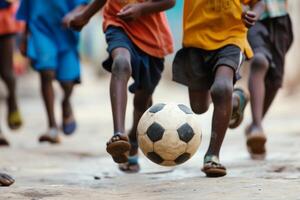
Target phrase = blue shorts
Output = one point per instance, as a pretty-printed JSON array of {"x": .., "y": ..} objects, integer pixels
[
  {"x": 46, "y": 55},
  {"x": 146, "y": 69}
]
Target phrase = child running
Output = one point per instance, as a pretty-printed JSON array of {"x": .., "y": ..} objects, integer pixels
[
  {"x": 270, "y": 39},
  {"x": 214, "y": 40},
  {"x": 9, "y": 26},
  {"x": 53, "y": 52},
  {"x": 138, "y": 39}
]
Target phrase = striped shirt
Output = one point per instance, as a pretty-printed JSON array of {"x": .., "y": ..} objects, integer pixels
[{"x": 275, "y": 8}]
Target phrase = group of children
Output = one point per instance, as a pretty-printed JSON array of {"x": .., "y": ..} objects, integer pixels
[{"x": 138, "y": 37}]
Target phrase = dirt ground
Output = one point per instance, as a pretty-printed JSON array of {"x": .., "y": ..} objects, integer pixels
[{"x": 80, "y": 169}]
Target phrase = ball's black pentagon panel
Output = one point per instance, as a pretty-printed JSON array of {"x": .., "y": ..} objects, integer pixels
[
  {"x": 182, "y": 158},
  {"x": 185, "y": 109},
  {"x": 155, "y": 132},
  {"x": 154, "y": 157},
  {"x": 185, "y": 132},
  {"x": 157, "y": 107}
]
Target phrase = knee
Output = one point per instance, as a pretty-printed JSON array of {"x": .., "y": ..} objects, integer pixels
[
  {"x": 47, "y": 76},
  {"x": 259, "y": 63},
  {"x": 222, "y": 90},
  {"x": 121, "y": 66},
  {"x": 199, "y": 108}
]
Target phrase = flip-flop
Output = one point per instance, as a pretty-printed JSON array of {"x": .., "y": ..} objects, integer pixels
[
  {"x": 14, "y": 120},
  {"x": 256, "y": 141},
  {"x": 238, "y": 114},
  {"x": 3, "y": 141},
  {"x": 6, "y": 180},
  {"x": 69, "y": 127},
  {"x": 118, "y": 147},
  {"x": 52, "y": 136},
  {"x": 212, "y": 167},
  {"x": 132, "y": 166}
]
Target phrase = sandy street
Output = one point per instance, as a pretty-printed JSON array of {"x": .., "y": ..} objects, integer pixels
[{"x": 80, "y": 169}]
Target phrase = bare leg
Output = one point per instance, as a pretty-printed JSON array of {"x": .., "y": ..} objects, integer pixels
[
  {"x": 6, "y": 72},
  {"x": 118, "y": 146},
  {"x": 142, "y": 101},
  {"x": 3, "y": 140},
  {"x": 47, "y": 90},
  {"x": 259, "y": 68},
  {"x": 47, "y": 78},
  {"x": 221, "y": 93},
  {"x": 69, "y": 124}
]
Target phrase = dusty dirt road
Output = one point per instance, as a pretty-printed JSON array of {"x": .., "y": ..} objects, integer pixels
[{"x": 80, "y": 169}]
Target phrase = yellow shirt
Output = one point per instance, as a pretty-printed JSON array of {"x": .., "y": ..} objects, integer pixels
[{"x": 213, "y": 24}]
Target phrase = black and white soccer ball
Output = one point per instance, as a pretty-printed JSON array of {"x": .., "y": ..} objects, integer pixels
[{"x": 169, "y": 134}]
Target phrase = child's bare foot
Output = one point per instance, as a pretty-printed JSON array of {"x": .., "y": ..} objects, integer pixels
[
  {"x": 118, "y": 147},
  {"x": 238, "y": 110},
  {"x": 256, "y": 140},
  {"x": 52, "y": 136},
  {"x": 69, "y": 124},
  {"x": 212, "y": 167},
  {"x": 3, "y": 141},
  {"x": 132, "y": 166},
  {"x": 6, "y": 180}
]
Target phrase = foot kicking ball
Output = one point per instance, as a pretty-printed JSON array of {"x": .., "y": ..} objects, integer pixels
[{"x": 169, "y": 134}]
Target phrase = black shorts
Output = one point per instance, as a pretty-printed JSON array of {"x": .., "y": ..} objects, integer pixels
[
  {"x": 272, "y": 37},
  {"x": 146, "y": 69},
  {"x": 196, "y": 68}
]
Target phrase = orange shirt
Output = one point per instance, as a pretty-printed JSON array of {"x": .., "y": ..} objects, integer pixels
[
  {"x": 151, "y": 33},
  {"x": 8, "y": 22}
]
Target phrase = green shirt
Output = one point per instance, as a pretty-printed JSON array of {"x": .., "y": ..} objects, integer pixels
[{"x": 274, "y": 8}]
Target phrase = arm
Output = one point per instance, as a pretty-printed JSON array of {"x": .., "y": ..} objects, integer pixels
[
  {"x": 78, "y": 18},
  {"x": 250, "y": 17},
  {"x": 135, "y": 10}
]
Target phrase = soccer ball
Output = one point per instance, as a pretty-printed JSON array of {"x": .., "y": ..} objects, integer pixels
[{"x": 168, "y": 134}]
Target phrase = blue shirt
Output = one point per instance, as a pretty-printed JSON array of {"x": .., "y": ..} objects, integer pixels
[{"x": 44, "y": 20}]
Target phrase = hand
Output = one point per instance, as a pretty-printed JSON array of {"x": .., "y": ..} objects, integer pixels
[
  {"x": 74, "y": 20},
  {"x": 23, "y": 44},
  {"x": 249, "y": 18},
  {"x": 131, "y": 12}
]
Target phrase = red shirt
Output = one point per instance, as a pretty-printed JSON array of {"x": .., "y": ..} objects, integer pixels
[
  {"x": 150, "y": 33},
  {"x": 8, "y": 22}
]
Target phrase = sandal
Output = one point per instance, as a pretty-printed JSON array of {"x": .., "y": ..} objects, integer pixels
[
  {"x": 118, "y": 147},
  {"x": 14, "y": 120},
  {"x": 212, "y": 167},
  {"x": 6, "y": 180},
  {"x": 51, "y": 136},
  {"x": 69, "y": 126},
  {"x": 256, "y": 141},
  {"x": 238, "y": 113}
]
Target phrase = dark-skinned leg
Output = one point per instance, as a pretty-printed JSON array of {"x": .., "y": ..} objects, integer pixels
[
  {"x": 270, "y": 94},
  {"x": 6, "y": 180},
  {"x": 256, "y": 138},
  {"x": 199, "y": 100},
  {"x": 142, "y": 101},
  {"x": 221, "y": 94},
  {"x": 118, "y": 146},
  {"x": 259, "y": 68},
  {"x": 69, "y": 124},
  {"x": 47, "y": 77},
  {"x": 7, "y": 75}
]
